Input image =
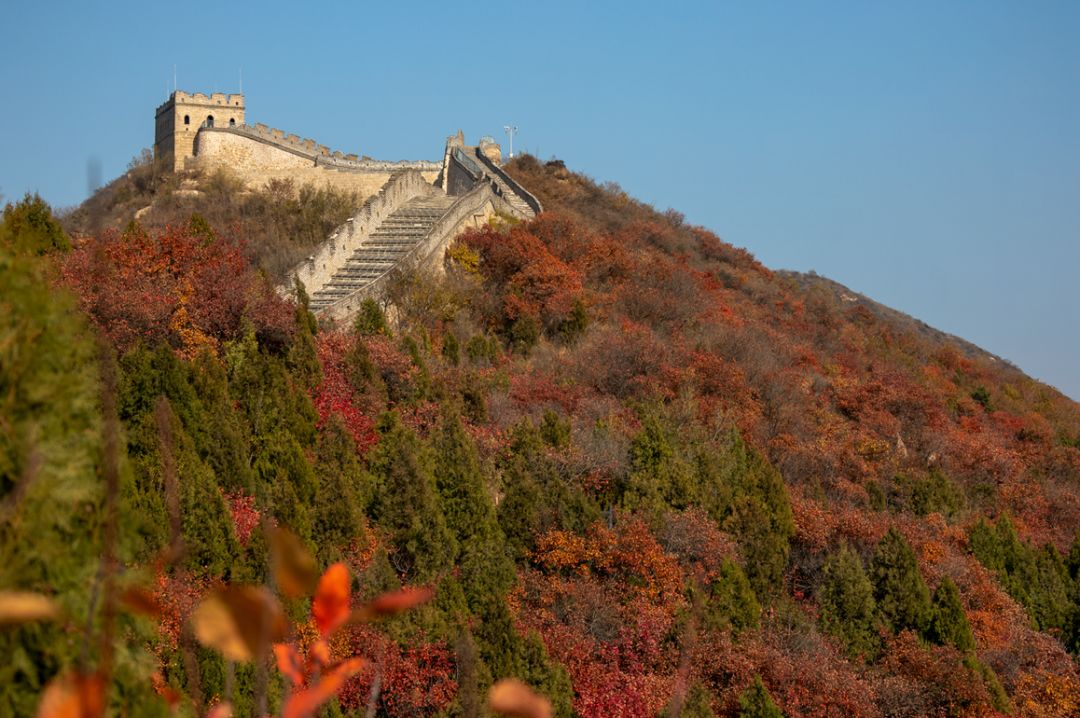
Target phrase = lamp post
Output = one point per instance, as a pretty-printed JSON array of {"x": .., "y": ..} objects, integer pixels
[{"x": 510, "y": 130}]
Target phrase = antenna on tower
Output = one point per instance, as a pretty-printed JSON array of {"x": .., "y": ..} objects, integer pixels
[
  {"x": 174, "y": 78},
  {"x": 511, "y": 130},
  {"x": 241, "y": 80}
]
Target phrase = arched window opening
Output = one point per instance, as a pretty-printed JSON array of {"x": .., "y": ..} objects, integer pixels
[
  {"x": 209, "y": 120},
  {"x": 187, "y": 119},
  {"x": 232, "y": 122}
]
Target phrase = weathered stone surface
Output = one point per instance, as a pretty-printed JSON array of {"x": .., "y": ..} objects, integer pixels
[{"x": 410, "y": 211}]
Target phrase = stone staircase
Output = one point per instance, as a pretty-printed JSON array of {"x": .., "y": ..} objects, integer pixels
[
  {"x": 512, "y": 197},
  {"x": 387, "y": 244},
  {"x": 498, "y": 176}
]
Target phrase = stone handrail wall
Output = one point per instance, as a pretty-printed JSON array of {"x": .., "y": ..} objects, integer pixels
[
  {"x": 320, "y": 155},
  {"x": 332, "y": 254},
  {"x": 467, "y": 163},
  {"x": 428, "y": 254},
  {"x": 524, "y": 194}
]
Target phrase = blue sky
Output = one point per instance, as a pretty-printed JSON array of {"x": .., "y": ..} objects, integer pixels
[{"x": 924, "y": 153}]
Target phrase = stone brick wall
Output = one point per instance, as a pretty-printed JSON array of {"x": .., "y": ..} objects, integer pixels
[
  {"x": 255, "y": 159},
  {"x": 471, "y": 210},
  {"x": 178, "y": 119},
  {"x": 316, "y": 271}
]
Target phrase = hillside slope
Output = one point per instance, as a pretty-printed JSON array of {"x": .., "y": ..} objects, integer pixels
[{"x": 641, "y": 472}]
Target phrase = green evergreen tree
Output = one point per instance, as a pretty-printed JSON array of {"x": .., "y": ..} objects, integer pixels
[
  {"x": 846, "y": 603},
  {"x": 486, "y": 570},
  {"x": 1041, "y": 580},
  {"x": 659, "y": 478},
  {"x": 406, "y": 503},
  {"x": 342, "y": 495},
  {"x": 281, "y": 421},
  {"x": 983, "y": 541},
  {"x": 555, "y": 430},
  {"x": 451, "y": 349},
  {"x": 371, "y": 319},
  {"x": 731, "y": 602},
  {"x": 519, "y": 510},
  {"x": 29, "y": 227},
  {"x": 948, "y": 623},
  {"x": 746, "y": 495},
  {"x": 379, "y": 577},
  {"x": 698, "y": 703},
  {"x": 1072, "y": 560},
  {"x": 51, "y": 493},
  {"x": 755, "y": 702},
  {"x": 1050, "y": 603},
  {"x": 903, "y": 600},
  {"x": 936, "y": 493},
  {"x": 302, "y": 357},
  {"x": 999, "y": 699},
  {"x": 545, "y": 675},
  {"x": 537, "y": 497},
  {"x": 1070, "y": 635},
  {"x": 211, "y": 548},
  {"x": 223, "y": 443}
]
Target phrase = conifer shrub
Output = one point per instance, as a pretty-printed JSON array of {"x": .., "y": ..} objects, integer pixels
[
  {"x": 371, "y": 319},
  {"x": 756, "y": 702},
  {"x": 731, "y": 603},
  {"x": 28, "y": 226},
  {"x": 903, "y": 600},
  {"x": 1039, "y": 579},
  {"x": 846, "y": 602},
  {"x": 948, "y": 623}
]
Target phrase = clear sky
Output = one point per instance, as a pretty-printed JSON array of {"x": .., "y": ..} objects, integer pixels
[{"x": 924, "y": 153}]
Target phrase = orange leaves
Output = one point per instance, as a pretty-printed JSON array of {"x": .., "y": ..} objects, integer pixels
[
  {"x": 628, "y": 552},
  {"x": 240, "y": 622},
  {"x": 288, "y": 662},
  {"x": 564, "y": 551},
  {"x": 73, "y": 695},
  {"x": 304, "y": 703},
  {"x": 511, "y": 697},
  {"x": 175, "y": 286},
  {"x": 141, "y": 601},
  {"x": 25, "y": 606},
  {"x": 330, "y": 607},
  {"x": 389, "y": 604},
  {"x": 294, "y": 568}
]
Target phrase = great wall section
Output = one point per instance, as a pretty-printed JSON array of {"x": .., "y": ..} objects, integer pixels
[{"x": 410, "y": 211}]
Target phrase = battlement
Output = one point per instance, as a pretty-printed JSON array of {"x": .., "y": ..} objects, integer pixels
[
  {"x": 219, "y": 99},
  {"x": 177, "y": 121},
  {"x": 321, "y": 155}
]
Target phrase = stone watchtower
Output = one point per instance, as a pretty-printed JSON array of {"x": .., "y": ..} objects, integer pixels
[{"x": 181, "y": 116}]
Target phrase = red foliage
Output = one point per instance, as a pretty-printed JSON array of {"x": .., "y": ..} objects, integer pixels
[
  {"x": 334, "y": 395},
  {"x": 177, "y": 596},
  {"x": 532, "y": 280},
  {"x": 246, "y": 517},
  {"x": 413, "y": 681},
  {"x": 180, "y": 287}
]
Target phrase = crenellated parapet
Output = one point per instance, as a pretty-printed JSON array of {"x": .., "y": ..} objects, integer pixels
[
  {"x": 321, "y": 155},
  {"x": 179, "y": 119},
  {"x": 214, "y": 99},
  {"x": 408, "y": 211}
]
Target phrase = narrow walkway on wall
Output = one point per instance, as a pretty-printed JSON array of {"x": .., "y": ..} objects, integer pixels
[{"x": 394, "y": 238}]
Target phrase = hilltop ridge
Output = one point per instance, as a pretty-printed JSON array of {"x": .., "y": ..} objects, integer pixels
[{"x": 638, "y": 468}]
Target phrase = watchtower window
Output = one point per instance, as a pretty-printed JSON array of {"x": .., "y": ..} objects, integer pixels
[
  {"x": 187, "y": 119},
  {"x": 209, "y": 120},
  {"x": 232, "y": 122}
]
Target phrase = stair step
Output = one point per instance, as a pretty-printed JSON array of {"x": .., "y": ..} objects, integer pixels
[{"x": 384, "y": 247}]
